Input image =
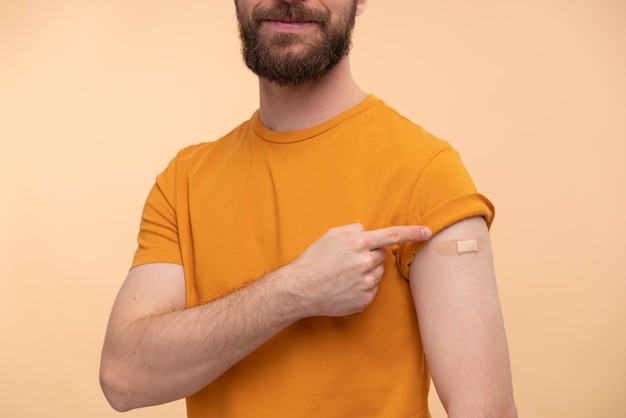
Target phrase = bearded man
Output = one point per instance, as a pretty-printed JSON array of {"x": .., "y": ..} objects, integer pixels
[{"x": 323, "y": 259}]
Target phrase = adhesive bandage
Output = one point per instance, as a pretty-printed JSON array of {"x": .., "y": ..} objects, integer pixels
[{"x": 460, "y": 247}]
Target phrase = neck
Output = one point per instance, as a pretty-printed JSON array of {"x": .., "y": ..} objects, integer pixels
[{"x": 294, "y": 108}]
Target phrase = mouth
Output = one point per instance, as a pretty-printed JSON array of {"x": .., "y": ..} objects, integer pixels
[
  {"x": 292, "y": 26},
  {"x": 290, "y": 15},
  {"x": 289, "y": 21}
]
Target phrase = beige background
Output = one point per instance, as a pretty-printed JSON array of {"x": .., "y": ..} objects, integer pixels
[{"x": 96, "y": 96}]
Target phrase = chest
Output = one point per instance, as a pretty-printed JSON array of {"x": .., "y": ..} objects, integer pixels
[{"x": 258, "y": 208}]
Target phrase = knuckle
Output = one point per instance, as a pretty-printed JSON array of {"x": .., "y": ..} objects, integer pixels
[
  {"x": 369, "y": 298},
  {"x": 359, "y": 242},
  {"x": 394, "y": 235},
  {"x": 332, "y": 231},
  {"x": 367, "y": 263},
  {"x": 370, "y": 282}
]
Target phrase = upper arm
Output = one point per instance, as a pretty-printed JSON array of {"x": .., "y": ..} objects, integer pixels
[
  {"x": 149, "y": 289},
  {"x": 461, "y": 324}
]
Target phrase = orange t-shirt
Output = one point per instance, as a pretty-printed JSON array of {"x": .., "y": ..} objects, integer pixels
[{"x": 235, "y": 209}]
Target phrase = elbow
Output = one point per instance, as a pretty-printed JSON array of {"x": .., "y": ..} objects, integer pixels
[
  {"x": 510, "y": 412},
  {"x": 114, "y": 391},
  {"x": 505, "y": 410},
  {"x": 504, "y": 413},
  {"x": 490, "y": 410}
]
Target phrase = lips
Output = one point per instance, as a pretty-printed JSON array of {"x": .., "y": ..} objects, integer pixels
[
  {"x": 295, "y": 13},
  {"x": 292, "y": 21}
]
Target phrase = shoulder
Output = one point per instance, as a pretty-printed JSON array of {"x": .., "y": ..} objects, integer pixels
[
  {"x": 198, "y": 153},
  {"x": 402, "y": 141},
  {"x": 401, "y": 131}
]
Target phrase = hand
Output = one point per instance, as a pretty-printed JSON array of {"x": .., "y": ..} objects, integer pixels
[{"x": 339, "y": 273}]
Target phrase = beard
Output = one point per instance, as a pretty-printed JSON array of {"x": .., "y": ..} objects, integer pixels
[{"x": 262, "y": 53}]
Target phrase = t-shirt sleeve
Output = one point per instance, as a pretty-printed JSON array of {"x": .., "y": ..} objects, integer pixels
[
  {"x": 158, "y": 239},
  {"x": 444, "y": 194}
]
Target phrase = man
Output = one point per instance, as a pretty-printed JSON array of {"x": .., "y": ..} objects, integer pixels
[{"x": 281, "y": 271}]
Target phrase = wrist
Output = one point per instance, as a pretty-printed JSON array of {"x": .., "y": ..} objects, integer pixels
[{"x": 290, "y": 301}]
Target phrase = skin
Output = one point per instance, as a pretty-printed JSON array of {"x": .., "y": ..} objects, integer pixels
[
  {"x": 461, "y": 325},
  {"x": 143, "y": 360},
  {"x": 337, "y": 275}
]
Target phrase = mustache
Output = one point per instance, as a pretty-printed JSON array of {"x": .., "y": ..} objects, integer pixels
[{"x": 291, "y": 12}]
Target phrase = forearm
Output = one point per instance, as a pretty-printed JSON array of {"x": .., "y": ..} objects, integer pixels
[
  {"x": 163, "y": 357},
  {"x": 156, "y": 351}
]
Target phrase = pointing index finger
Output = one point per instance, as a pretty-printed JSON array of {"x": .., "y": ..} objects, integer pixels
[{"x": 394, "y": 235}]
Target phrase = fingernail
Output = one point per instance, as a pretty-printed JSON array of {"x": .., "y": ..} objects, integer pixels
[{"x": 426, "y": 233}]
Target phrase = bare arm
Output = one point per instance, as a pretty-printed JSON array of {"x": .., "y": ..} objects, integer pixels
[
  {"x": 461, "y": 324},
  {"x": 157, "y": 351}
]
